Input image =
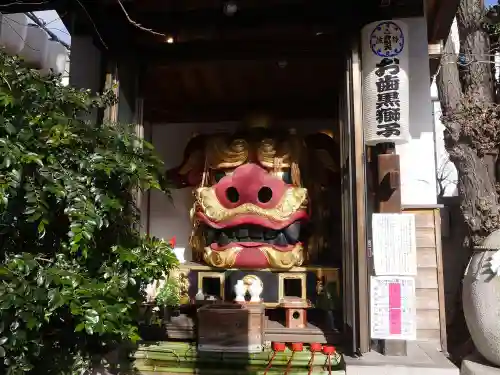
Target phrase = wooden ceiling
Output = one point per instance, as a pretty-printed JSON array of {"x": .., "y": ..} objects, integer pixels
[{"x": 228, "y": 90}]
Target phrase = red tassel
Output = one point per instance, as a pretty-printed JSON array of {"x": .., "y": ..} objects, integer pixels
[
  {"x": 296, "y": 347},
  {"x": 314, "y": 348},
  {"x": 277, "y": 347},
  {"x": 329, "y": 350}
]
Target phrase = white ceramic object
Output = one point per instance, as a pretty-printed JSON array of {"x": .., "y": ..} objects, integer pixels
[
  {"x": 34, "y": 52},
  {"x": 200, "y": 296},
  {"x": 240, "y": 290},
  {"x": 255, "y": 291},
  {"x": 179, "y": 253},
  {"x": 13, "y": 32},
  {"x": 481, "y": 299}
]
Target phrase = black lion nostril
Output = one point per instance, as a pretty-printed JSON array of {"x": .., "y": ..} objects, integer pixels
[
  {"x": 232, "y": 194},
  {"x": 265, "y": 194}
]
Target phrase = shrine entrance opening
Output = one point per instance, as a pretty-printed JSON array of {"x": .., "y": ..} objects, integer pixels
[{"x": 250, "y": 137}]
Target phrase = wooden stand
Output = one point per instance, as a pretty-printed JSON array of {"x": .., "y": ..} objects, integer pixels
[
  {"x": 231, "y": 328},
  {"x": 296, "y": 312}
]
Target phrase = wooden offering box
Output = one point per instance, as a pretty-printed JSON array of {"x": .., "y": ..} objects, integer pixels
[
  {"x": 231, "y": 328},
  {"x": 296, "y": 312}
]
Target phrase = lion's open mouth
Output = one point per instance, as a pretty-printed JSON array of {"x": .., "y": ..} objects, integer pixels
[{"x": 252, "y": 235}]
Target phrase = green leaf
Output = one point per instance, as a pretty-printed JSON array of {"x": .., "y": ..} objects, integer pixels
[
  {"x": 89, "y": 329},
  {"x": 92, "y": 316},
  {"x": 2, "y": 352},
  {"x": 9, "y": 128},
  {"x": 40, "y": 279},
  {"x": 14, "y": 326},
  {"x": 55, "y": 298},
  {"x": 3, "y": 340},
  {"x": 31, "y": 323},
  {"x": 79, "y": 327}
]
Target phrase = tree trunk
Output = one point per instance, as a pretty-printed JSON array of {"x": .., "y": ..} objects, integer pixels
[
  {"x": 448, "y": 81},
  {"x": 477, "y": 75},
  {"x": 476, "y": 178}
]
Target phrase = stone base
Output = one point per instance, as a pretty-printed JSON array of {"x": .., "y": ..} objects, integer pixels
[
  {"x": 422, "y": 358},
  {"x": 475, "y": 364}
]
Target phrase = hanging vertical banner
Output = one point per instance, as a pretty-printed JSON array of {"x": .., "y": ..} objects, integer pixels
[{"x": 386, "y": 96}]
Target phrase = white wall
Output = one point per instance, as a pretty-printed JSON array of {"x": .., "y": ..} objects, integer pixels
[
  {"x": 417, "y": 157},
  {"x": 166, "y": 219},
  {"x": 65, "y": 75}
]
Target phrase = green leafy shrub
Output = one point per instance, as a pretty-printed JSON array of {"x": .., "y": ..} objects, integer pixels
[
  {"x": 73, "y": 265},
  {"x": 169, "y": 294}
]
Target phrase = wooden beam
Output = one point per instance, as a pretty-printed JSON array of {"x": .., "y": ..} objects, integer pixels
[
  {"x": 188, "y": 5},
  {"x": 345, "y": 15},
  {"x": 439, "y": 21},
  {"x": 321, "y": 12},
  {"x": 231, "y": 50},
  {"x": 161, "y": 112},
  {"x": 200, "y": 23}
]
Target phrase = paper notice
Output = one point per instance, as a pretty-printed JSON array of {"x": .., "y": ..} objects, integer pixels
[
  {"x": 394, "y": 244},
  {"x": 392, "y": 307}
]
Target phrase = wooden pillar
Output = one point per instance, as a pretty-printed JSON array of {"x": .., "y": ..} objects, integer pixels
[
  {"x": 389, "y": 201},
  {"x": 112, "y": 82}
]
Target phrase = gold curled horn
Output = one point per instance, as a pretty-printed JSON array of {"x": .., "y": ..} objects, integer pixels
[{"x": 225, "y": 153}]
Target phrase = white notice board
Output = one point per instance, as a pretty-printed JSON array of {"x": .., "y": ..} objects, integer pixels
[
  {"x": 394, "y": 244},
  {"x": 393, "y": 308}
]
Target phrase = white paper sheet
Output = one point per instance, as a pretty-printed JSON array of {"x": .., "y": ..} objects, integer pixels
[
  {"x": 393, "y": 308},
  {"x": 394, "y": 244}
]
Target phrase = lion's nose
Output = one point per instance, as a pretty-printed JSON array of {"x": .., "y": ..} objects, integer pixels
[
  {"x": 265, "y": 194},
  {"x": 232, "y": 194},
  {"x": 252, "y": 184}
]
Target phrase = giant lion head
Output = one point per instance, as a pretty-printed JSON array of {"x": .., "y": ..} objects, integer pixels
[{"x": 251, "y": 205}]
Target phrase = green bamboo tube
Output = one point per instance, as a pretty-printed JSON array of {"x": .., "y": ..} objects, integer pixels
[
  {"x": 189, "y": 351},
  {"x": 301, "y": 358},
  {"x": 279, "y": 360},
  {"x": 164, "y": 370}
]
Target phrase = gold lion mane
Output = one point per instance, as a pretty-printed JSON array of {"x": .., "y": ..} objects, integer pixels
[{"x": 225, "y": 153}]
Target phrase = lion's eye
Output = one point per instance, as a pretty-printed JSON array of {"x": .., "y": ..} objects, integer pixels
[
  {"x": 219, "y": 175},
  {"x": 286, "y": 176}
]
